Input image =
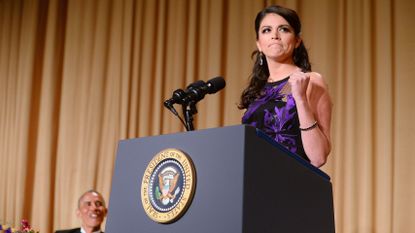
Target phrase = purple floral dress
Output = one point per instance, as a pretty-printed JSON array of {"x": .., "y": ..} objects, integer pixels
[{"x": 275, "y": 113}]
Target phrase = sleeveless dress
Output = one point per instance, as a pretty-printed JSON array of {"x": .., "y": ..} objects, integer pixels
[{"x": 275, "y": 113}]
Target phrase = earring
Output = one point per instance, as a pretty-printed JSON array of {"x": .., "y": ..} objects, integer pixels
[{"x": 261, "y": 62}]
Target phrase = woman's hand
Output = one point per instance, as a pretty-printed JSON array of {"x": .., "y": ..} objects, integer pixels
[{"x": 299, "y": 82}]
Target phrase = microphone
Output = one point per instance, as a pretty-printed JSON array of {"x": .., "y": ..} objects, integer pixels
[
  {"x": 194, "y": 92},
  {"x": 197, "y": 90},
  {"x": 178, "y": 95}
]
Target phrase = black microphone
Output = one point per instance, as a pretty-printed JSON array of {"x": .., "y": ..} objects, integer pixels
[
  {"x": 177, "y": 97},
  {"x": 195, "y": 92}
]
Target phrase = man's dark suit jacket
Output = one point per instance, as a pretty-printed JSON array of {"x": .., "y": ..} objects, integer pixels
[{"x": 75, "y": 230}]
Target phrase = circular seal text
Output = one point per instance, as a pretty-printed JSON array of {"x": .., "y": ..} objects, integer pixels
[{"x": 168, "y": 185}]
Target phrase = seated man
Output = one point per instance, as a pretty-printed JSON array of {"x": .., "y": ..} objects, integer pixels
[{"x": 92, "y": 211}]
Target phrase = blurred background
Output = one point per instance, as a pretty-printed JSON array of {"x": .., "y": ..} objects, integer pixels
[{"x": 77, "y": 76}]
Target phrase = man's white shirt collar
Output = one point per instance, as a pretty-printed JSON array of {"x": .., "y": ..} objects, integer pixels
[{"x": 83, "y": 231}]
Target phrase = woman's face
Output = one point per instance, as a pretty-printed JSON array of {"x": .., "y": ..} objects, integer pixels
[{"x": 276, "y": 38}]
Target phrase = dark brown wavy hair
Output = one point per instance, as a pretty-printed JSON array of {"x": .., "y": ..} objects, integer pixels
[{"x": 260, "y": 73}]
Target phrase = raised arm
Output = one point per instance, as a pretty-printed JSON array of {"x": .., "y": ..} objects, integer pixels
[{"x": 314, "y": 108}]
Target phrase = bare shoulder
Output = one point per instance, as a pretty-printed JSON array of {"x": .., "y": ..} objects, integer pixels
[
  {"x": 317, "y": 79},
  {"x": 318, "y": 90}
]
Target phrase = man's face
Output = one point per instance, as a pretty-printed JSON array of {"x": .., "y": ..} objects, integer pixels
[{"x": 92, "y": 211}]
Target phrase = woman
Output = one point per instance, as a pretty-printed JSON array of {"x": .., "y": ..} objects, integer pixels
[{"x": 284, "y": 98}]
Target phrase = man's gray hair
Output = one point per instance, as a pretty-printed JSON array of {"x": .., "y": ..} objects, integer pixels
[{"x": 91, "y": 191}]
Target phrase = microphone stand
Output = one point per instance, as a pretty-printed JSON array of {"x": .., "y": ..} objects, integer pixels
[{"x": 189, "y": 110}]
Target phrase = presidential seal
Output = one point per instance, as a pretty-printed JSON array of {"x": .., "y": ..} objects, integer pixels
[{"x": 168, "y": 186}]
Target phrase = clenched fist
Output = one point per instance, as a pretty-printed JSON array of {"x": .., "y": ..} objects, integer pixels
[{"x": 299, "y": 82}]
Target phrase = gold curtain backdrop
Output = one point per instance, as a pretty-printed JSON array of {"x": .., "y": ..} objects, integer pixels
[{"x": 77, "y": 76}]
